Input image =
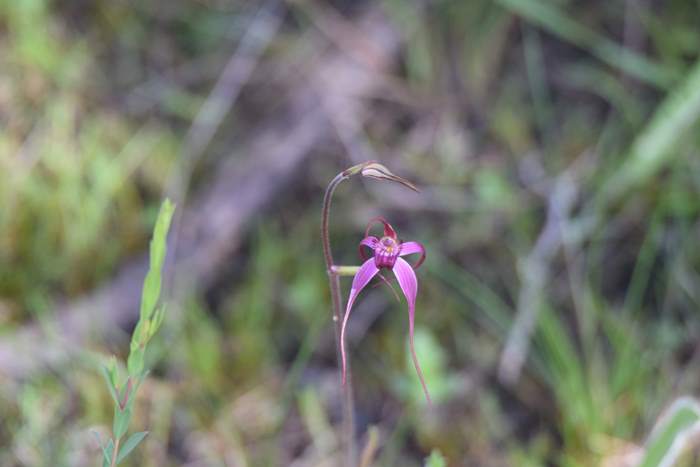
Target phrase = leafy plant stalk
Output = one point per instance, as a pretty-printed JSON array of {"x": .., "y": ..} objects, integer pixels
[{"x": 124, "y": 391}]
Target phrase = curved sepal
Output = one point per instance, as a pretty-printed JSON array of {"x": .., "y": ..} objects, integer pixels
[
  {"x": 411, "y": 248},
  {"x": 409, "y": 285},
  {"x": 367, "y": 271}
]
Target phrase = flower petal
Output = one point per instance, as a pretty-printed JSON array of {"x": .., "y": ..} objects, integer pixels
[
  {"x": 367, "y": 271},
  {"x": 388, "y": 229},
  {"x": 409, "y": 285},
  {"x": 369, "y": 242},
  {"x": 410, "y": 248}
]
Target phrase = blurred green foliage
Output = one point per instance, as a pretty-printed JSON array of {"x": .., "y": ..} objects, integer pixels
[{"x": 73, "y": 170}]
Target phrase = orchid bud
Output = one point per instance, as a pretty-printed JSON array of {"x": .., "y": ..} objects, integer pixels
[{"x": 378, "y": 171}]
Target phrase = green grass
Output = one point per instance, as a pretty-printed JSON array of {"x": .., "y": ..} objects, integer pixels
[{"x": 672, "y": 434}]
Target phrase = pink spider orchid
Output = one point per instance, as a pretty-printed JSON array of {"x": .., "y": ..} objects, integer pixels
[{"x": 388, "y": 252}]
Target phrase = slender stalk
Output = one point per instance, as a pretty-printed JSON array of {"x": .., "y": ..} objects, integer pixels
[
  {"x": 334, "y": 283},
  {"x": 345, "y": 270},
  {"x": 115, "y": 452}
]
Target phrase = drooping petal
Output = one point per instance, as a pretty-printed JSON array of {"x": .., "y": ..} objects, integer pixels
[
  {"x": 410, "y": 248},
  {"x": 369, "y": 242},
  {"x": 409, "y": 285},
  {"x": 388, "y": 229},
  {"x": 367, "y": 271}
]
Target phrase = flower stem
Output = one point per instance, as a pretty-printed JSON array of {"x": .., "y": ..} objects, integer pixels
[
  {"x": 345, "y": 270},
  {"x": 334, "y": 283},
  {"x": 115, "y": 452}
]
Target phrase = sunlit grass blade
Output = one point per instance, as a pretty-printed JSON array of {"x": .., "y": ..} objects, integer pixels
[
  {"x": 652, "y": 148},
  {"x": 672, "y": 433}
]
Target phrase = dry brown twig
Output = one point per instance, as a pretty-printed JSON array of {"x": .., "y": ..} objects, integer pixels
[{"x": 535, "y": 270}]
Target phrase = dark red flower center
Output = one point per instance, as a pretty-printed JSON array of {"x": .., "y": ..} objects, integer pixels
[{"x": 385, "y": 252}]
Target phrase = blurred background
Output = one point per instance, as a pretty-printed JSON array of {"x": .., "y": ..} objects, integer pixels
[{"x": 556, "y": 147}]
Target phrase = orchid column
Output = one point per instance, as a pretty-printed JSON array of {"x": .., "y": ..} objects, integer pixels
[{"x": 377, "y": 171}]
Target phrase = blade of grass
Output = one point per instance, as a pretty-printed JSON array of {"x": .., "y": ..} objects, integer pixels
[
  {"x": 558, "y": 23},
  {"x": 672, "y": 433},
  {"x": 496, "y": 313},
  {"x": 565, "y": 370},
  {"x": 651, "y": 150}
]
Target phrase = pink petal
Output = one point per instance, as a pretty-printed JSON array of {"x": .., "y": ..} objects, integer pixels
[
  {"x": 369, "y": 242},
  {"x": 409, "y": 285},
  {"x": 410, "y": 248},
  {"x": 367, "y": 271}
]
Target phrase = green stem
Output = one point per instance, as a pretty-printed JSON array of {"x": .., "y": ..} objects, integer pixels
[
  {"x": 345, "y": 270},
  {"x": 115, "y": 452}
]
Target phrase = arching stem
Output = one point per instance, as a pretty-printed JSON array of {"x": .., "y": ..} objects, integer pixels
[{"x": 334, "y": 283}]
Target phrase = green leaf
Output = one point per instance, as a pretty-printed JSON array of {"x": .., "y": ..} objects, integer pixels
[
  {"x": 435, "y": 459},
  {"x": 121, "y": 421},
  {"x": 151, "y": 317},
  {"x": 122, "y": 416},
  {"x": 107, "y": 453},
  {"x": 157, "y": 320},
  {"x": 152, "y": 283},
  {"x": 112, "y": 371},
  {"x": 136, "y": 336},
  {"x": 110, "y": 384},
  {"x": 134, "y": 363},
  {"x": 134, "y": 390},
  {"x": 125, "y": 392},
  {"x": 672, "y": 433},
  {"x": 130, "y": 444},
  {"x": 106, "y": 456}
]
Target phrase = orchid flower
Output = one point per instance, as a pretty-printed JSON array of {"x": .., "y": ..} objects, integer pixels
[{"x": 388, "y": 253}]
